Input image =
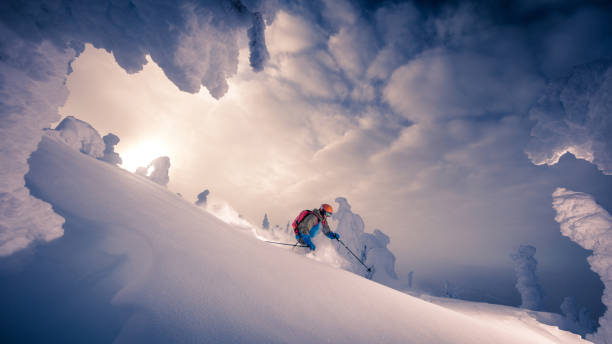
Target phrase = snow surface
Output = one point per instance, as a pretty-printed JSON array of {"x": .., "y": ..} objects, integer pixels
[{"x": 139, "y": 264}]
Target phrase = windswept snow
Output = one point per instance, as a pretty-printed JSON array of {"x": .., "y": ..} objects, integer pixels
[{"x": 139, "y": 264}]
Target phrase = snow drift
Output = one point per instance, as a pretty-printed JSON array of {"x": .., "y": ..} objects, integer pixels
[{"x": 140, "y": 264}]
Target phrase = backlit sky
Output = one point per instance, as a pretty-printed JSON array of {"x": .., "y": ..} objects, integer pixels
[{"x": 418, "y": 115}]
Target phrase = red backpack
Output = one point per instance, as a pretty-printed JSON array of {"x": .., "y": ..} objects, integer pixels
[{"x": 299, "y": 219}]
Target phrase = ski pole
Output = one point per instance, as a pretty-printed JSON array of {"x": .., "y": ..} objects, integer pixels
[
  {"x": 340, "y": 241},
  {"x": 282, "y": 243}
]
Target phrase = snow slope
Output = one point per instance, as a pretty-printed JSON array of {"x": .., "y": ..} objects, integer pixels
[{"x": 139, "y": 264}]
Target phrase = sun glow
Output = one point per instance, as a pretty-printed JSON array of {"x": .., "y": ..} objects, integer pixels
[{"x": 141, "y": 154}]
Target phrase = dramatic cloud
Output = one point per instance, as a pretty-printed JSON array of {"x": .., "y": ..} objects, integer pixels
[
  {"x": 443, "y": 84},
  {"x": 590, "y": 226}
]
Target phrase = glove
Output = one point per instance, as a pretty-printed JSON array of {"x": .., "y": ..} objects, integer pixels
[
  {"x": 333, "y": 235},
  {"x": 307, "y": 241}
]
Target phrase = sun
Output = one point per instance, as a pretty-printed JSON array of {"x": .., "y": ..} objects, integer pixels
[{"x": 142, "y": 153}]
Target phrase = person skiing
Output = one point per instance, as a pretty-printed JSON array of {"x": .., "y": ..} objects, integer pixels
[{"x": 308, "y": 224}]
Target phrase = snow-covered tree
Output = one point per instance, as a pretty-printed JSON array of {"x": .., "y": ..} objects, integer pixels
[
  {"x": 265, "y": 223},
  {"x": 79, "y": 135},
  {"x": 202, "y": 198},
  {"x": 110, "y": 156},
  {"x": 577, "y": 320},
  {"x": 142, "y": 171},
  {"x": 156, "y": 170},
  {"x": 371, "y": 247},
  {"x": 449, "y": 290},
  {"x": 527, "y": 282},
  {"x": 161, "y": 166},
  {"x": 589, "y": 225}
]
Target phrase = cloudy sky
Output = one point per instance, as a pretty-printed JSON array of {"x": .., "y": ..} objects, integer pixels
[{"x": 443, "y": 124}]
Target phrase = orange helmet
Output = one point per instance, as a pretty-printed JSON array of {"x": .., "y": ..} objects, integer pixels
[{"x": 326, "y": 209}]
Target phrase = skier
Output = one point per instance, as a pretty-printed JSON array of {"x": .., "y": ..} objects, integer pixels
[{"x": 308, "y": 224}]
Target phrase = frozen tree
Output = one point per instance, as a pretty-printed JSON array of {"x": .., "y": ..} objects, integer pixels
[
  {"x": 156, "y": 170},
  {"x": 569, "y": 309},
  {"x": 449, "y": 290},
  {"x": 527, "y": 282},
  {"x": 410, "y": 278},
  {"x": 142, "y": 171},
  {"x": 257, "y": 43},
  {"x": 288, "y": 227},
  {"x": 586, "y": 322},
  {"x": 577, "y": 321},
  {"x": 377, "y": 255},
  {"x": 79, "y": 135},
  {"x": 370, "y": 247},
  {"x": 110, "y": 156},
  {"x": 589, "y": 225},
  {"x": 161, "y": 166},
  {"x": 265, "y": 224},
  {"x": 573, "y": 116},
  {"x": 202, "y": 198}
]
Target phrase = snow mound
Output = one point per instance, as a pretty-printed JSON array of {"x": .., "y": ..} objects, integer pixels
[{"x": 139, "y": 264}]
